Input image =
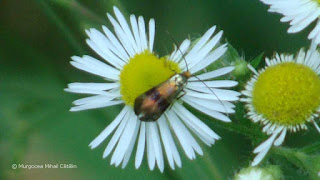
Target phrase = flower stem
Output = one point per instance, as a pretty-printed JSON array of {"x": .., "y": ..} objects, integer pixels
[
  {"x": 74, "y": 5},
  {"x": 59, "y": 23}
]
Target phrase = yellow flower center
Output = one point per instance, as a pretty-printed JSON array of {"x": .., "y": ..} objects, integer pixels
[
  {"x": 287, "y": 93},
  {"x": 143, "y": 72}
]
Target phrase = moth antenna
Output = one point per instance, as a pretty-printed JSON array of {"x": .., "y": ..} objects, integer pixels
[
  {"x": 183, "y": 57},
  {"x": 214, "y": 94},
  {"x": 195, "y": 75}
]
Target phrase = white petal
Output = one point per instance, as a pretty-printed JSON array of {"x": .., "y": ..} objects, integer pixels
[
  {"x": 209, "y": 112},
  {"x": 152, "y": 28},
  {"x": 179, "y": 53},
  {"x": 124, "y": 141},
  {"x": 93, "y": 99},
  {"x": 188, "y": 143},
  {"x": 101, "y": 44},
  {"x": 141, "y": 145},
  {"x": 124, "y": 38},
  {"x": 94, "y": 66},
  {"x": 204, "y": 51},
  {"x": 214, "y": 84},
  {"x": 142, "y": 33},
  {"x": 93, "y": 86},
  {"x": 108, "y": 130},
  {"x": 315, "y": 31},
  {"x": 115, "y": 42},
  {"x": 124, "y": 25},
  {"x": 194, "y": 122},
  {"x": 150, "y": 147},
  {"x": 156, "y": 145},
  {"x": 114, "y": 61},
  {"x": 213, "y": 74},
  {"x": 280, "y": 139},
  {"x": 305, "y": 22},
  {"x": 135, "y": 30},
  {"x": 268, "y": 143},
  {"x": 91, "y": 91},
  {"x": 221, "y": 106},
  {"x": 316, "y": 126},
  {"x": 260, "y": 156},
  {"x": 95, "y": 105},
  {"x": 194, "y": 51},
  {"x": 253, "y": 69},
  {"x": 168, "y": 143},
  {"x": 219, "y": 94},
  {"x": 213, "y": 56},
  {"x": 117, "y": 134},
  {"x": 132, "y": 142}
]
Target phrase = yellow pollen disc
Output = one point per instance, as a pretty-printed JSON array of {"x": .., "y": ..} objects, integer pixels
[
  {"x": 287, "y": 93},
  {"x": 143, "y": 72}
]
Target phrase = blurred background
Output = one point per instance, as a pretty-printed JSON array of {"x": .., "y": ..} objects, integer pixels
[{"x": 37, "y": 39}]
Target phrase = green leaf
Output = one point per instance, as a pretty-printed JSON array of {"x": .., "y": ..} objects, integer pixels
[{"x": 256, "y": 61}]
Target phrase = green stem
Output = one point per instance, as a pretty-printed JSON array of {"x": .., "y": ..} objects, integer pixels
[
  {"x": 87, "y": 12},
  {"x": 74, "y": 5},
  {"x": 214, "y": 171},
  {"x": 59, "y": 23}
]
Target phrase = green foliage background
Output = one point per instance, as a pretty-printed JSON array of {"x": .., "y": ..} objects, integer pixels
[{"x": 37, "y": 39}]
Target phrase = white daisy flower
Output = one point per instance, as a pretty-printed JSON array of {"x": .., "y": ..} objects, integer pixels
[
  {"x": 300, "y": 14},
  {"x": 284, "y": 96},
  {"x": 131, "y": 68}
]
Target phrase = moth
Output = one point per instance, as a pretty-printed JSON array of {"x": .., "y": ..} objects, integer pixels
[{"x": 150, "y": 105}]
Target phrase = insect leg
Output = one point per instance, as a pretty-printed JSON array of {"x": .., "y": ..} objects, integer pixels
[{"x": 183, "y": 93}]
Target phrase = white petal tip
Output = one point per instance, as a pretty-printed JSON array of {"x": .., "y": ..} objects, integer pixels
[
  {"x": 115, "y": 8},
  {"x": 227, "y": 120},
  {"x": 109, "y": 16},
  {"x": 74, "y": 57},
  {"x": 75, "y": 109}
]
